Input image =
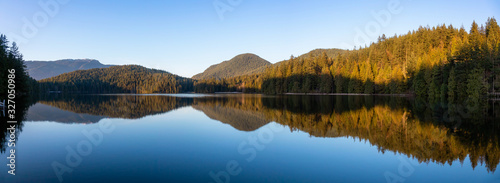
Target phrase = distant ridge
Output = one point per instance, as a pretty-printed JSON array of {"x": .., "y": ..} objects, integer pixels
[
  {"x": 244, "y": 64},
  {"x": 45, "y": 69},
  {"x": 330, "y": 52}
]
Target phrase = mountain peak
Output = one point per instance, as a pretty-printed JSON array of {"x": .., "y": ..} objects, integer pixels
[{"x": 243, "y": 64}]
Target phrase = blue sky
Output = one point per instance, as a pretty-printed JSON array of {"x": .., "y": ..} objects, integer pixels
[{"x": 185, "y": 37}]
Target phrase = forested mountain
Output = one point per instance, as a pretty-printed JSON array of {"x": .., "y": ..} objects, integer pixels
[
  {"x": 331, "y": 52},
  {"x": 117, "y": 79},
  {"x": 244, "y": 64},
  {"x": 45, "y": 69},
  {"x": 441, "y": 63}
]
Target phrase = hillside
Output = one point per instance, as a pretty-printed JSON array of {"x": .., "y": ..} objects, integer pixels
[
  {"x": 440, "y": 63},
  {"x": 330, "y": 52},
  {"x": 117, "y": 79},
  {"x": 244, "y": 64},
  {"x": 45, "y": 69}
]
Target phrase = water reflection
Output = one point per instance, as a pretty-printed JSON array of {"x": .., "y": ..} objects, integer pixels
[
  {"x": 21, "y": 106},
  {"x": 115, "y": 106},
  {"x": 439, "y": 133}
]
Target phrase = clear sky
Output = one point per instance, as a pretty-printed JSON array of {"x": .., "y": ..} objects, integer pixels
[{"x": 185, "y": 37}]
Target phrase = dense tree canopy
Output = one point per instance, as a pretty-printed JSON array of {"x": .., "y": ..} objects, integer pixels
[
  {"x": 117, "y": 79},
  {"x": 439, "y": 63}
]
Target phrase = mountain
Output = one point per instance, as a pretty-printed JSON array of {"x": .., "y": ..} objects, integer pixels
[
  {"x": 45, "y": 69},
  {"x": 117, "y": 79},
  {"x": 330, "y": 52},
  {"x": 244, "y": 64}
]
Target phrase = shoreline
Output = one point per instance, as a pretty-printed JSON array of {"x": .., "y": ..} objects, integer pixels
[{"x": 352, "y": 94}]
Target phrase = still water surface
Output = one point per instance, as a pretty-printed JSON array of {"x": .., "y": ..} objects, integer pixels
[{"x": 253, "y": 138}]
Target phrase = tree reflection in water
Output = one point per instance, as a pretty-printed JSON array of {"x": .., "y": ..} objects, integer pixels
[{"x": 440, "y": 133}]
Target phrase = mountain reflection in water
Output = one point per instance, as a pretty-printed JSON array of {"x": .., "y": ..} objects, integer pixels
[{"x": 440, "y": 133}]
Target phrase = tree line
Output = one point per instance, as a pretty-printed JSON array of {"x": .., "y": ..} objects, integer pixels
[
  {"x": 117, "y": 79},
  {"x": 442, "y": 63},
  {"x": 439, "y": 64}
]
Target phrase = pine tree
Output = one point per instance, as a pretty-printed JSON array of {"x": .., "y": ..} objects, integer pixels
[
  {"x": 11, "y": 58},
  {"x": 493, "y": 47}
]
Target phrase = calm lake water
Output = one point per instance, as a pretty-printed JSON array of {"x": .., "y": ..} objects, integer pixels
[{"x": 253, "y": 138}]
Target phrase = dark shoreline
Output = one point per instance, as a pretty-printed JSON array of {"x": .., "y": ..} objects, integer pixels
[{"x": 353, "y": 94}]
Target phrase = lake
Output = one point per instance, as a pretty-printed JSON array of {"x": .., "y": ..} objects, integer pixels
[{"x": 252, "y": 138}]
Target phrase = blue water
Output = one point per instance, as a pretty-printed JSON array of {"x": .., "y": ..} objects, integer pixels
[{"x": 185, "y": 145}]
